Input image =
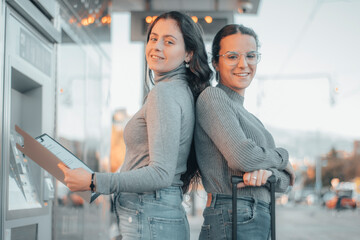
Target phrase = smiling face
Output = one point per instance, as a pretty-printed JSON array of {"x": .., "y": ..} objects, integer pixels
[
  {"x": 237, "y": 77},
  {"x": 165, "y": 49}
]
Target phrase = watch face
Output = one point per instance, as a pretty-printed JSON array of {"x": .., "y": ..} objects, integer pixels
[{"x": 92, "y": 185}]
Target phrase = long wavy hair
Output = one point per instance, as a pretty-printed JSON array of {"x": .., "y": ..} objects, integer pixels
[{"x": 199, "y": 74}]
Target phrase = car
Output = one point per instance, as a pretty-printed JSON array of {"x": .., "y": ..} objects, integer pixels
[
  {"x": 341, "y": 200},
  {"x": 326, "y": 197}
]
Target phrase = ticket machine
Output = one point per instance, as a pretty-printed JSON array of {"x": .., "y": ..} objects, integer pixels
[{"x": 29, "y": 102}]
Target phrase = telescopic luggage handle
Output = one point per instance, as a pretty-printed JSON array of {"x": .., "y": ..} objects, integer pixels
[{"x": 235, "y": 180}]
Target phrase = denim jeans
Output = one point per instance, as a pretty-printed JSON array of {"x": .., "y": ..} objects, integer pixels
[
  {"x": 253, "y": 219},
  {"x": 154, "y": 215}
]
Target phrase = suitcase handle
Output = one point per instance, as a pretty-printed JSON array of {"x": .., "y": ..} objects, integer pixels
[{"x": 235, "y": 180}]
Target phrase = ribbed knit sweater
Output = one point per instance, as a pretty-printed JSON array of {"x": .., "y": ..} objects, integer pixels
[
  {"x": 229, "y": 140},
  {"x": 157, "y": 138}
]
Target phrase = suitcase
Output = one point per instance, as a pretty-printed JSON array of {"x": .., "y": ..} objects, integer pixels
[{"x": 238, "y": 179}]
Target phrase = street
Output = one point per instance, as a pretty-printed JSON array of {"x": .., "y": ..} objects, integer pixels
[
  {"x": 313, "y": 222},
  {"x": 301, "y": 222}
]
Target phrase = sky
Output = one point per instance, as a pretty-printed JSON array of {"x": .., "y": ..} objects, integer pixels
[{"x": 308, "y": 77}]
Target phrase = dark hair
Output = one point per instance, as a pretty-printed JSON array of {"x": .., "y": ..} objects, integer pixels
[
  {"x": 199, "y": 74},
  {"x": 199, "y": 71},
  {"x": 226, "y": 31}
]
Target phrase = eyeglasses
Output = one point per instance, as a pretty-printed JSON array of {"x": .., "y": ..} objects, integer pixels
[{"x": 233, "y": 58}]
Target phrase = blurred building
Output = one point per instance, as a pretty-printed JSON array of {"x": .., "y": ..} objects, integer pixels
[
  {"x": 356, "y": 148},
  {"x": 118, "y": 148}
]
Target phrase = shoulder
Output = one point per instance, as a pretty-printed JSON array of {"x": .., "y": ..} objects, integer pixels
[
  {"x": 176, "y": 92},
  {"x": 212, "y": 95},
  {"x": 170, "y": 88},
  {"x": 258, "y": 120}
]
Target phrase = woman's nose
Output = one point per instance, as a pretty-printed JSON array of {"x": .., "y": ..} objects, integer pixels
[
  {"x": 159, "y": 45},
  {"x": 242, "y": 61}
]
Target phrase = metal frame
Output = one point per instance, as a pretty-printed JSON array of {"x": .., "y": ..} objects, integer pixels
[
  {"x": 13, "y": 62},
  {"x": 40, "y": 217},
  {"x": 2, "y": 169},
  {"x": 37, "y": 19}
]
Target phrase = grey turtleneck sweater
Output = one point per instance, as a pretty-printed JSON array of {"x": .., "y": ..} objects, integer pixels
[
  {"x": 231, "y": 141},
  {"x": 157, "y": 138}
]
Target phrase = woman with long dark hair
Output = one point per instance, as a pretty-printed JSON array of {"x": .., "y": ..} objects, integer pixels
[
  {"x": 148, "y": 189},
  {"x": 230, "y": 141}
]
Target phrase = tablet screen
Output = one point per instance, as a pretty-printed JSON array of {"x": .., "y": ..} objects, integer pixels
[
  {"x": 67, "y": 157},
  {"x": 62, "y": 153}
]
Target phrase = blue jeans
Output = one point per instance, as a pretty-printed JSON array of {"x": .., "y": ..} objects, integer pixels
[
  {"x": 153, "y": 215},
  {"x": 253, "y": 218}
]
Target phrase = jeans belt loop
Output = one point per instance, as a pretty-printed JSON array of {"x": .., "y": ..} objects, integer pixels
[
  {"x": 255, "y": 203},
  {"x": 157, "y": 194}
]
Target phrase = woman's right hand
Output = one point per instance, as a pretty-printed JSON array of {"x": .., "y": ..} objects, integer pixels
[
  {"x": 255, "y": 178},
  {"x": 77, "y": 179}
]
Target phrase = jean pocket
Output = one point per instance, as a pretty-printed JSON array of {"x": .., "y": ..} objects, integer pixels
[
  {"x": 245, "y": 214},
  {"x": 129, "y": 223},
  {"x": 205, "y": 232},
  {"x": 214, "y": 225},
  {"x": 167, "y": 228}
]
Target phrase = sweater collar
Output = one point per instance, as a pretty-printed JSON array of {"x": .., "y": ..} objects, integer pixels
[
  {"x": 232, "y": 94},
  {"x": 177, "y": 73}
]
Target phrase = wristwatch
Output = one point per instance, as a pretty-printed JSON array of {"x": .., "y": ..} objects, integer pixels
[{"x": 92, "y": 185}]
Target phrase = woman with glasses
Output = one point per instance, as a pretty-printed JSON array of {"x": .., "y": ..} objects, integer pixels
[
  {"x": 157, "y": 168},
  {"x": 229, "y": 140}
]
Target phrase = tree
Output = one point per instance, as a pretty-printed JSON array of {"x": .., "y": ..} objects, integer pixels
[{"x": 340, "y": 167}]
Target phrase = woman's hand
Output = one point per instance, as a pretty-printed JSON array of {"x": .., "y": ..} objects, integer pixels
[
  {"x": 255, "y": 178},
  {"x": 76, "y": 179},
  {"x": 290, "y": 170}
]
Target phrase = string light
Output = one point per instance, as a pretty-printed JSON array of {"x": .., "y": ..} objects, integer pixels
[
  {"x": 208, "y": 19},
  {"x": 91, "y": 19},
  {"x": 84, "y": 22},
  {"x": 106, "y": 19},
  {"x": 148, "y": 19},
  {"x": 195, "y": 19},
  {"x": 96, "y": 13}
]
